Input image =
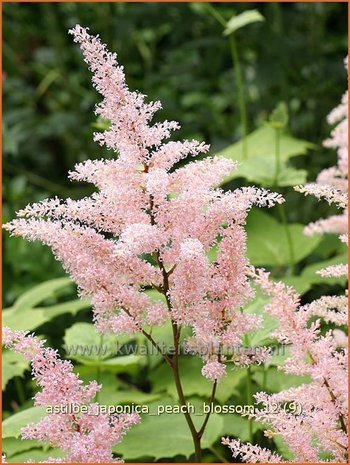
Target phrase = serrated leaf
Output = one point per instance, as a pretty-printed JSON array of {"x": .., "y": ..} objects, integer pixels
[
  {"x": 267, "y": 242},
  {"x": 241, "y": 20}
]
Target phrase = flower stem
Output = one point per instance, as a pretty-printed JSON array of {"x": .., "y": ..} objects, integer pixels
[
  {"x": 283, "y": 216},
  {"x": 281, "y": 207},
  {"x": 250, "y": 400},
  {"x": 240, "y": 92},
  {"x": 277, "y": 155},
  {"x": 238, "y": 76}
]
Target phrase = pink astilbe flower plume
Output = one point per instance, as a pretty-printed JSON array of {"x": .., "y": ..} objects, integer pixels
[
  {"x": 163, "y": 221},
  {"x": 317, "y": 428},
  {"x": 84, "y": 437},
  {"x": 332, "y": 183}
]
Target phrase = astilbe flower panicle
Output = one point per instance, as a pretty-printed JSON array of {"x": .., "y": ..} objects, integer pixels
[
  {"x": 332, "y": 183},
  {"x": 317, "y": 430},
  {"x": 319, "y": 424},
  {"x": 84, "y": 437},
  {"x": 161, "y": 221}
]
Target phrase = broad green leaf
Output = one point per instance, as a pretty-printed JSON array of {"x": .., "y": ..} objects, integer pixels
[
  {"x": 165, "y": 435},
  {"x": 267, "y": 242},
  {"x": 260, "y": 163},
  {"x": 133, "y": 397},
  {"x": 13, "y": 446},
  {"x": 31, "y": 318},
  {"x": 36, "y": 455},
  {"x": 277, "y": 381},
  {"x": 11, "y": 427},
  {"x": 261, "y": 144},
  {"x": 300, "y": 284},
  {"x": 262, "y": 171},
  {"x": 238, "y": 426},
  {"x": 261, "y": 336},
  {"x": 82, "y": 342},
  {"x": 281, "y": 353},
  {"x": 310, "y": 272},
  {"x": 194, "y": 382},
  {"x": 241, "y": 20},
  {"x": 40, "y": 293},
  {"x": 13, "y": 365},
  {"x": 283, "y": 449}
]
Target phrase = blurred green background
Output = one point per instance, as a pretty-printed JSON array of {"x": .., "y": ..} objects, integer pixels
[{"x": 176, "y": 53}]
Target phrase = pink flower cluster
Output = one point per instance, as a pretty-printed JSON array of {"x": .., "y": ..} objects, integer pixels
[
  {"x": 86, "y": 437},
  {"x": 332, "y": 183},
  {"x": 151, "y": 224},
  {"x": 318, "y": 432},
  {"x": 320, "y": 427}
]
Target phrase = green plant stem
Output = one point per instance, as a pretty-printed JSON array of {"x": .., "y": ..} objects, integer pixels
[
  {"x": 238, "y": 76},
  {"x": 174, "y": 362},
  {"x": 240, "y": 92},
  {"x": 277, "y": 155},
  {"x": 175, "y": 367},
  {"x": 283, "y": 216},
  {"x": 249, "y": 397},
  {"x": 250, "y": 401},
  {"x": 281, "y": 207},
  {"x": 211, "y": 400}
]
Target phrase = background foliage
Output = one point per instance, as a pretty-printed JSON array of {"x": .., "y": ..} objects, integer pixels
[{"x": 178, "y": 54}]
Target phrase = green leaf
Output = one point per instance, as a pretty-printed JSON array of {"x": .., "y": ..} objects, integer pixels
[
  {"x": 238, "y": 426},
  {"x": 11, "y": 427},
  {"x": 40, "y": 293},
  {"x": 310, "y": 272},
  {"x": 241, "y": 20},
  {"x": 267, "y": 242},
  {"x": 260, "y": 163},
  {"x": 37, "y": 455},
  {"x": 32, "y": 318},
  {"x": 166, "y": 435},
  {"x": 261, "y": 144},
  {"x": 279, "y": 116},
  {"x": 277, "y": 381},
  {"x": 194, "y": 382},
  {"x": 24, "y": 315},
  {"x": 13, "y": 365},
  {"x": 261, "y": 336},
  {"x": 300, "y": 284},
  {"x": 283, "y": 449},
  {"x": 83, "y": 343},
  {"x": 261, "y": 171},
  {"x": 13, "y": 446},
  {"x": 133, "y": 397}
]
